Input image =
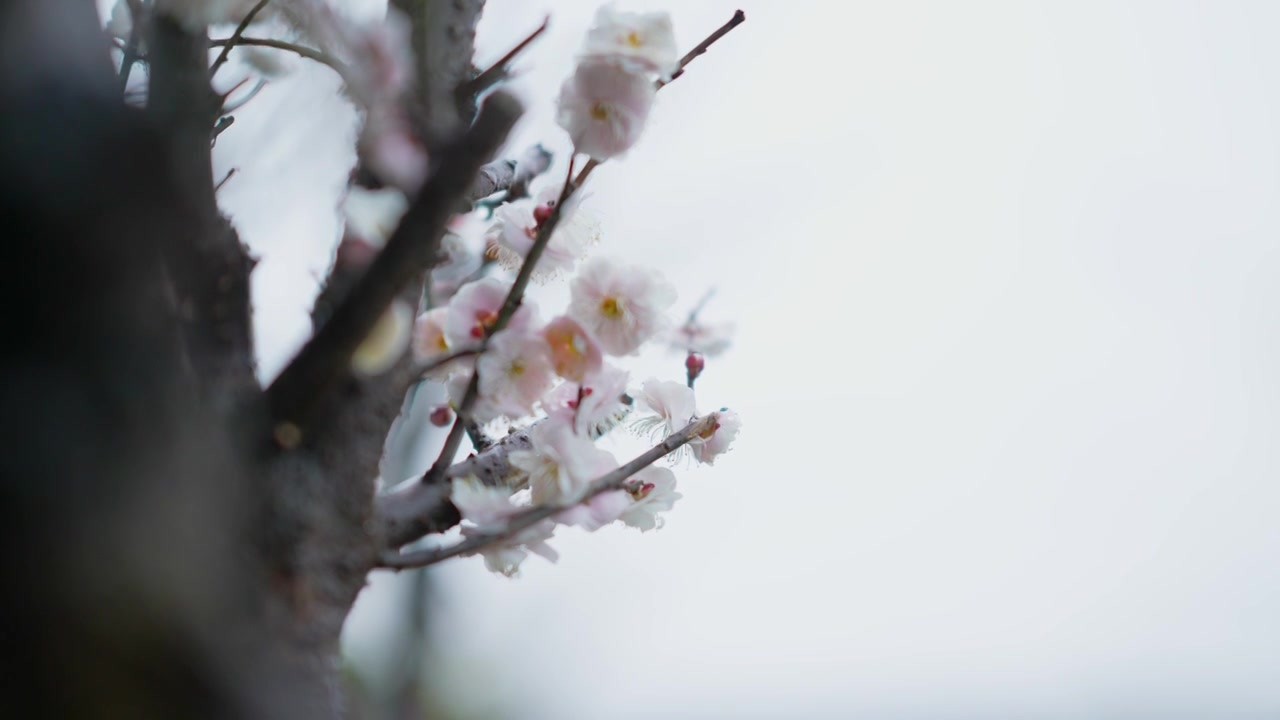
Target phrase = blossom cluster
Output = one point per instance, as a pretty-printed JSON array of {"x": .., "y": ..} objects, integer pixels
[
  {"x": 558, "y": 378},
  {"x": 561, "y": 377},
  {"x": 605, "y": 104}
]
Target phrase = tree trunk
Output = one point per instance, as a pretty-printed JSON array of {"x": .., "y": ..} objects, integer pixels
[{"x": 162, "y": 558}]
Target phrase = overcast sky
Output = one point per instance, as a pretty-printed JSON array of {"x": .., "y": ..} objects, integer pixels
[{"x": 1005, "y": 278}]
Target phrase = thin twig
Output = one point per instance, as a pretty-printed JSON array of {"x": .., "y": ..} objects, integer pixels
[
  {"x": 610, "y": 481},
  {"x": 498, "y": 71},
  {"x": 235, "y": 36},
  {"x": 509, "y": 306},
  {"x": 224, "y": 179},
  {"x": 220, "y": 127},
  {"x": 738, "y": 18},
  {"x": 309, "y": 53},
  {"x": 232, "y": 107},
  {"x": 442, "y": 361},
  {"x": 693, "y": 314}
]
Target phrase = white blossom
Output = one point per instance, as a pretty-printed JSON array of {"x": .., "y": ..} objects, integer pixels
[
  {"x": 512, "y": 236},
  {"x": 671, "y": 403},
  {"x": 573, "y": 351},
  {"x": 561, "y": 462},
  {"x": 597, "y": 512},
  {"x": 489, "y": 509},
  {"x": 515, "y": 372},
  {"x": 654, "y": 491},
  {"x": 707, "y": 449},
  {"x": 641, "y": 42},
  {"x": 601, "y": 400},
  {"x": 474, "y": 309},
  {"x": 604, "y": 108},
  {"x": 621, "y": 307}
]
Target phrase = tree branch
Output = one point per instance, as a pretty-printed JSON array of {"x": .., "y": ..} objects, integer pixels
[
  {"x": 510, "y": 177},
  {"x": 210, "y": 267},
  {"x": 414, "y": 509},
  {"x": 610, "y": 481},
  {"x": 235, "y": 36},
  {"x": 326, "y": 358},
  {"x": 509, "y": 306},
  {"x": 309, "y": 53},
  {"x": 400, "y": 508},
  {"x": 738, "y": 18},
  {"x": 498, "y": 71},
  {"x": 443, "y": 34}
]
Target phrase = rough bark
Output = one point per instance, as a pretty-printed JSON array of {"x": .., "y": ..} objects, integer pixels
[
  {"x": 163, "y": 557},
  {"x": 443, "y": 40}
]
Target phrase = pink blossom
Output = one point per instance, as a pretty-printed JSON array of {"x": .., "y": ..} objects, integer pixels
[
  {"x": 598, "y": 511},
  {"x": 377, "y": 68},
  {"x": 604, "y": 108},
  {"x": 672, "y": 404},
  {"x": 484, "y": 409},
  {"x": 515, "y": 372},
  {"x": 513, "y": 236},
  {"x": 642, "y": 42},
  {"x": 594, "y": 405},
  {"x": 475, "y": 307},
  {"x": 654, "y": 491},
  {"x": 561, "y": 463},
  {"x": 707, "y": 449},
  {"x": 573, "y": 351},
  {"x": 430, "y": 345},
  {"x": 505, "y": 558},
  {"x": 621, "y": 306},
  {"x": 489, "y": 509}
]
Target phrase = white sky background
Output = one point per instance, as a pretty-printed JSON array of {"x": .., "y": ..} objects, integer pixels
[{"x": 1005, "y": 281}]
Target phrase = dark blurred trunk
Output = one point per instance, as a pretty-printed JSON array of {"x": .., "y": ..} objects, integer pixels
[{"x": 160, "y": 557}]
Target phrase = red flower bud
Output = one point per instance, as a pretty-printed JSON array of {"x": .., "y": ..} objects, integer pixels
[
  {"x": 694, "y": 365},
  {"x": 442, "y": 416}
]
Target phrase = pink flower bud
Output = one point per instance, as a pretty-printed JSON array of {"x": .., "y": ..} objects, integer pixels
[
  {"x": 442, "y": 416},
  {"x": 693, "y": 365}
]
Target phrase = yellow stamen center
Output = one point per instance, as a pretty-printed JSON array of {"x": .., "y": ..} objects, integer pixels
[
  {"x": 633, "y": 39},
  {"x": 600, "y": 111}
]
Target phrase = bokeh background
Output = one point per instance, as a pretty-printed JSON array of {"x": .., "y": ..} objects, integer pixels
[{"x": 1005, "y": 282}]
